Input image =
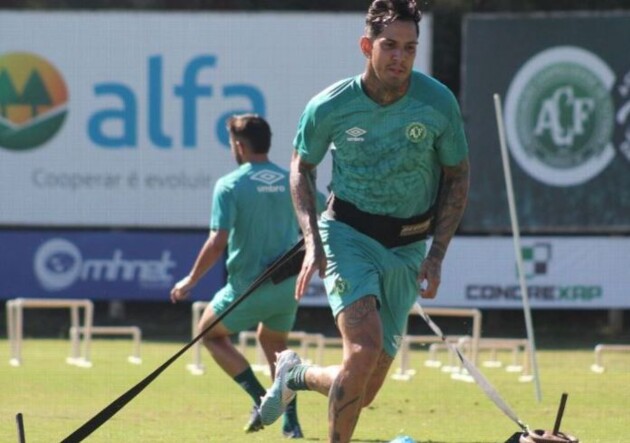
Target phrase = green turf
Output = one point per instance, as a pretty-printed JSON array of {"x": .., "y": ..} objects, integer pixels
[{"x": 56, "y": 399}]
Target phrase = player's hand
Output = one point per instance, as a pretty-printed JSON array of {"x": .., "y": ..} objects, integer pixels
[
  {"x": 182, "y": 289},
  {"x": 429, "y": 277},
  {"x": 314, "y": 261}
]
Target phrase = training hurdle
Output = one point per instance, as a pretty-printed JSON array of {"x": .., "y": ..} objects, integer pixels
[
  {"x": 15, "y": 326},
  {"x": 599, "y": 349},
  {"x": 453, "y": 365},
  {"x": 260, "y": 362},
  {"x": 515, "y": 346},
  {"x": 133, "y": 331},
  {"x": 404, "y": 372},
  {"x": 305, "y": 339},
  {"x": 196, "y": 367}
]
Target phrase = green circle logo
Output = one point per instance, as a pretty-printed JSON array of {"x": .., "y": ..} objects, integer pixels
[
  {"x": 33, "y": 101},
  {"x": 560, "y": 116},
  {"x": 415, "y": 132}
]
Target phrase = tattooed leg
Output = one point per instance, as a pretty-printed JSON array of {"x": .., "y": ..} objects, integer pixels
[{"x": 360, "y": 327}]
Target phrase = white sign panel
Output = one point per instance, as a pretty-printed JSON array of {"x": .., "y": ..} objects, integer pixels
[
  {"x": 118, "y": 119},
  {"x": 561, "y": 272}
]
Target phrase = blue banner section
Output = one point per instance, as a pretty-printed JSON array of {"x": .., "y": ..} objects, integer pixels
[{"x": 101, "y": 265}]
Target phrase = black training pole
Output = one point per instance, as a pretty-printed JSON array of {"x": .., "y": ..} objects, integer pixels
[
  {"x": 563, "y": 402},
  {"x": 291, "y": 256},
  {"x": 20, "y": 427}
]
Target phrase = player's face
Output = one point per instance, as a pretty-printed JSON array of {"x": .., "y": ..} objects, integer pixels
[{"x": 392, "y": 53}]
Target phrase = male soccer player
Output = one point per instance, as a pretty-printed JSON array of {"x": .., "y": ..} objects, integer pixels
[
  {"x": 252, "y": 216},
  {"x": 396, "y": 135}
]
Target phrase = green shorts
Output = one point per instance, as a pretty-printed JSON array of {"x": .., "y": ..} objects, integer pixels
[
  {"x": 359, "y": 266},
  {"x": 273, "y": 305}
]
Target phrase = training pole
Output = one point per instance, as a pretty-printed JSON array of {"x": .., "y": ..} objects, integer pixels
[
  {"x": 517, "y": 243},
  {"x": 19, "y": 420}
]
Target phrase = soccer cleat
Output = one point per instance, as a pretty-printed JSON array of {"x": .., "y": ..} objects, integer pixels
[
  {"x": 279, "y": 396},
  {"x": 254, "y": 424},
  {"x": 292, "y": 431}
]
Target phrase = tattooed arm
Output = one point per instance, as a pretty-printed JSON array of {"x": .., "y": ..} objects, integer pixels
[
  {"x": 451, "y": 205},
  {"x": 303, "y": 193}
]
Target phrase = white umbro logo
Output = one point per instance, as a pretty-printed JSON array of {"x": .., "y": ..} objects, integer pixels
[
  {"x": 355, "y": 134},
  {"x": 267, "y": 177}
]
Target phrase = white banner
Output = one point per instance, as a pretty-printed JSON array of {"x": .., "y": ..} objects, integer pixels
[
  {"x": 118, "y": 119},
  {"x": 561, "y": 273}
]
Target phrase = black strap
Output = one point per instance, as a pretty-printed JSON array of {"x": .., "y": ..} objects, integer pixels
[
  {"x": 291, "y": 267},
  {"x": 387, "y": 230}
]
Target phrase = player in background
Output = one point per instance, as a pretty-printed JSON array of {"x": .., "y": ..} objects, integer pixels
[{"x": 253, "y": 219}]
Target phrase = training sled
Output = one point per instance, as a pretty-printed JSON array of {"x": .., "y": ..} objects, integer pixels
[{"x": 543, "y": 436}]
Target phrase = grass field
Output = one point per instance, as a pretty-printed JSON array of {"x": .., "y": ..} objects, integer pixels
[{"x": 56, "y": 399}]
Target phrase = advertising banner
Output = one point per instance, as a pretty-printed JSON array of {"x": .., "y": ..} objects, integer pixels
[
  {"x": 480, "y": 272},
  {"x": 100, "y": 265},
  {"x": 560, "y": 273},
  {"x": 564, "y": 81},
  {"x": 118, "y": 119}
]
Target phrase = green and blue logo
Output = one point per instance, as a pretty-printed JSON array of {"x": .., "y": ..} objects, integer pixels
[{"x": 33, "y": 101}]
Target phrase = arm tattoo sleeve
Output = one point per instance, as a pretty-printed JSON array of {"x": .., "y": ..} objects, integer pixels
[
  {"x": 303, "y": 193},
  {"x": 451, "y": 205}
]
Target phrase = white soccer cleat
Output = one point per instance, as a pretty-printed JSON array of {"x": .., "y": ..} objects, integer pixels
[{"x": 275, "y": 401}]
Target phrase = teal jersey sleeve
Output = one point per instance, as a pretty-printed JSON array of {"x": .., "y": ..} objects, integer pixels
[
  {"x": 317, "y": 124},
  {"x": 223, "y": 213},
  {"x": 451, "y": 145},
  {"x": 313, "y": 136}
]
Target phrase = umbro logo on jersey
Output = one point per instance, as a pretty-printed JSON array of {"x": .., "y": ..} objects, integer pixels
[
  {"x": 355, "y": 134},
  {"x": 267, "y": 177}
]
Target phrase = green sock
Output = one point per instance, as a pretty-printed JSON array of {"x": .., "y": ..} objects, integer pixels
[
  {"x": 289, "y": 419},
  {"x": 248, "y": 381},
  {"x": 296, "y": 378}
]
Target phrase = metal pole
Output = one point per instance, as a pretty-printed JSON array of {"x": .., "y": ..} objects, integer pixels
[{"x": 517, "y": 242}]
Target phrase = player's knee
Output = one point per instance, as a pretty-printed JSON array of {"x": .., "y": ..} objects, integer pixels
[
  {"x": 362, "y": 358},
  {"x": 209, "y": 341},
  {"x": 214, "y": 342}
]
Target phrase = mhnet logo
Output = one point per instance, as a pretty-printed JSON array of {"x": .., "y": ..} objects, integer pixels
[
  {"x": 33, "y": 101},
  {"x": 59, "y": 264}
]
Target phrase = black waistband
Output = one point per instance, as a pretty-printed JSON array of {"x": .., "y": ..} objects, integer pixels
[{"x": 389, "y": 231}]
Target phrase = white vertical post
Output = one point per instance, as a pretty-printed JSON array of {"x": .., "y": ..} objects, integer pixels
[
  {"x": 18, "y": 333},
  {"x": 10, "y": 306},
  {"x": 517, "y": 242},
  {"x": 88, "y": 319},
  {"x": 75, "y": 347},
  {"x": 196, "y": 367}
]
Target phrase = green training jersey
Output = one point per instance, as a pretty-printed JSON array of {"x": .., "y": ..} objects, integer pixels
[
  {"x": 386, "y": 159},
  {"x": 254, "y": 204}
]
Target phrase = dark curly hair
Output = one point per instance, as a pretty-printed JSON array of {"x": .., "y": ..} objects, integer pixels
[
  {"x": 384, "y": 12},
  {"x": 252, "y": 128}
]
